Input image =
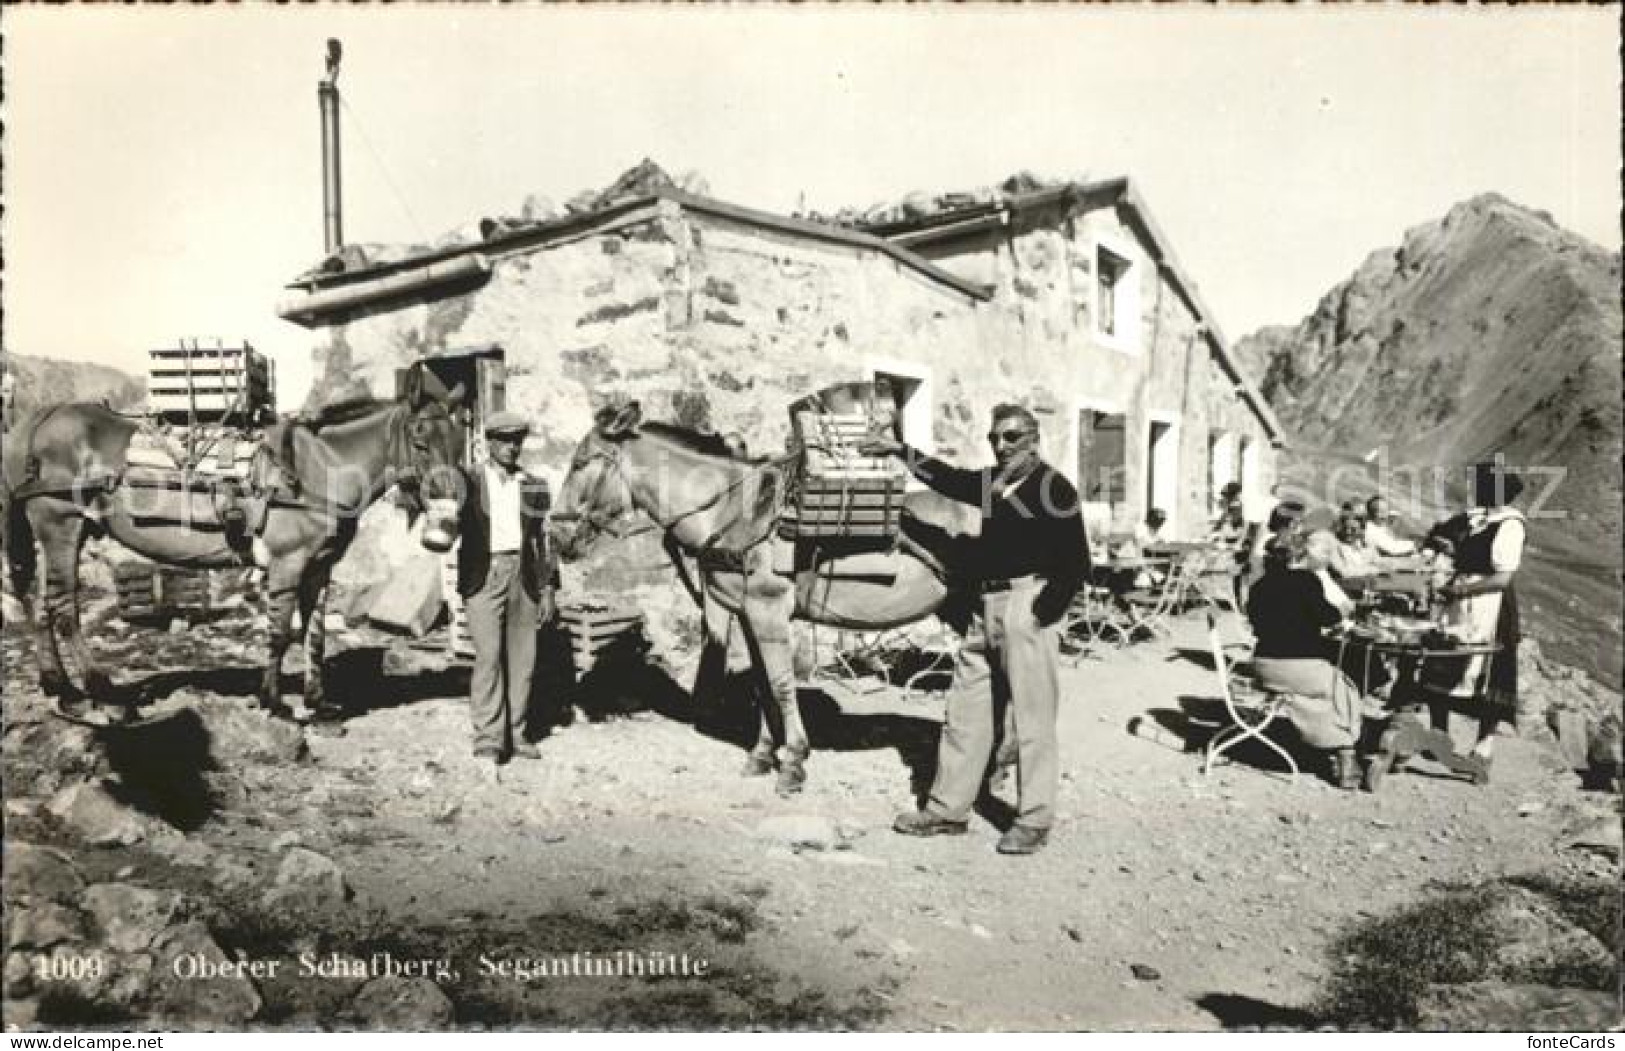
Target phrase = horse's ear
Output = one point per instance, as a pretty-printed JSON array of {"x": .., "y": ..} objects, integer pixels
[
  {"x": 619, "y": 423},
  {"x": 626, "y": 421},
  {"x": 412, "y": 385}
]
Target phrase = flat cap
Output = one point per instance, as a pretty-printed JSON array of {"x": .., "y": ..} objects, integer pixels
[{"x": 506, "y": 422}]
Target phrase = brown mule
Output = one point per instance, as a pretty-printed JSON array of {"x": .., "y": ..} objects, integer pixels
[
  {"x": 68, "y": 478},
  {"x": 723, "y": 511}
]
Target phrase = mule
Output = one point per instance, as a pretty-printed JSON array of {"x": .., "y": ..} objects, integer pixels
[
  {"x": 723, "y": 511},
  {"x": 69, "y": 479}
]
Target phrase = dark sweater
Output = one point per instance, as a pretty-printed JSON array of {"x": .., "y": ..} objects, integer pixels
[
  {"x": 1035, "y": 530},
  {"x": 1288, "y": 610}
]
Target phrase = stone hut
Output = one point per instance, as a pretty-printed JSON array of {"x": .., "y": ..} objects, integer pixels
[{"x": 1065, "y": 298}]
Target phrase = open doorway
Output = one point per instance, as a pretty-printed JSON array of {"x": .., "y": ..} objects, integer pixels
[
  {"x": 1162, "y": 468},
  {"x": 482, "y": 372}
]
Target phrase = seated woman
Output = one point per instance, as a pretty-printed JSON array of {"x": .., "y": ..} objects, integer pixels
[
  {"x": 1289, "y": 611},
  {"x": 1354, "y": 561}
]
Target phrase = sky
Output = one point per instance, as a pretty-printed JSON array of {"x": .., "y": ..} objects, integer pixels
[{"x": 162, "y": 164}]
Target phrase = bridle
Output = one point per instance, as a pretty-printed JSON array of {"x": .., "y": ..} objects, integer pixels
[{"x": 608, "y": 523}]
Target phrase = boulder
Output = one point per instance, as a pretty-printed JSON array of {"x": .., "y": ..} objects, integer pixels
[
  {"x": 306, "y": 880},
  {"x": 409, "y": 1004},
  {"x": 19, "y": 979},
  {"x": 221, "y": 1001},
  {"x": 1503, "y": 1007},
  {"x": 91, "y": 810},
  {"x": 242, "y": 736},
  {"x": 131, "y": 917},
  {"x": 43, "y": 925},
  {"x": 1531, "y": 936},
  {"x": 40, "y": 872}
]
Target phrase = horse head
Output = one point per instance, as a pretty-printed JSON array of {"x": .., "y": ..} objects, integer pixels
[
  {"x": 436, "y": 435},
  {"x": 595, "y": 495}
]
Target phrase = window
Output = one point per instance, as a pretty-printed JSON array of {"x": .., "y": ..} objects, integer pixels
[
  {"x": 1102, "y": 457},
  {"x": 1110, "y": 269},
  {"x": 1221, "y": 463},
  {"x": 910, "y": 386},
  {"x": 1117, "y": 296}
]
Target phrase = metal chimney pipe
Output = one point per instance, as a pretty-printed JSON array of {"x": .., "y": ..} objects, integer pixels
[{"x": 327, "y": 100}]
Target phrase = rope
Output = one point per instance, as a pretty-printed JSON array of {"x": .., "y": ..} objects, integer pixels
[{"x": 383, "y": 169}]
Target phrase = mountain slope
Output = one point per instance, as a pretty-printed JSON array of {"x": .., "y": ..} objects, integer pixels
[{"x": 1491, "y": 331}]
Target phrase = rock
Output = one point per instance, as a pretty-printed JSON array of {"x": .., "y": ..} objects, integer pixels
[
  {"x": 1502, "y": 1007},
  {"x": 410, "y": 1004},
  {"x": 39, "y": 872},
  {"x": 1602, "y": 836},
  {"x": 284, "y": 841},
  {"x": 225, "y": 1000},
  {"x": 308, "y": 880},
  {"x": 800, "y": 831},
  {"x": 131, "y": 918},
  {"x": 1145, "y": 973},
  {"x": 1531, "y": 935},
  {"x": 243, "y": 736},
  {"x": 19, "y": 1014},
  {"x": 101, "y": 820},
  {"x": 19, "y": 976},
  {"x": 44, "y": 925}
]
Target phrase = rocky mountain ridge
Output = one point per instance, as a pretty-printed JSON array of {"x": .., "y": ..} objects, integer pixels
[{"x": 1490, "y": 330}]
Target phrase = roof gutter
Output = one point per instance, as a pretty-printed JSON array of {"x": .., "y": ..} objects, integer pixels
[{"x": 317, "y": 306}]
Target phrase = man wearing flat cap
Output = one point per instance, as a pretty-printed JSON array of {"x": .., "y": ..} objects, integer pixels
[{"x": 507, "y": 576}]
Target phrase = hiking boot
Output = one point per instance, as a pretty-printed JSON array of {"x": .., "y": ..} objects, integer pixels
[
  {"x": 924, "y": 823},
  {"x": 1023, "y": 840}
]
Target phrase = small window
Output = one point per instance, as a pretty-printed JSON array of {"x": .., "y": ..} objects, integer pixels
[{"x": 1111, "y": 270}]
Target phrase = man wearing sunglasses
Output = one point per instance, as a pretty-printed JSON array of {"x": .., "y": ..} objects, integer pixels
[{"x": 1029, "y": 561}]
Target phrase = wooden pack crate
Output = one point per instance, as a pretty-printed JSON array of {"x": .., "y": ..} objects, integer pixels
[
  {"x": 843, "y": 493},
  {"x": 597, "y": 626},
  {"x": 149, "y": 591}
]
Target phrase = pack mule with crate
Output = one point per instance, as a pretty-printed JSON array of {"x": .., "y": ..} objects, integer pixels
[{"x": 742, "y": 522}]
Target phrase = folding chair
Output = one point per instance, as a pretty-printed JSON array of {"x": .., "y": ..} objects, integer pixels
[
  {"x": 1249, "y": 716},
  {"x": 1150, "y": 607},
  {"x": 1091, "y": 616}
]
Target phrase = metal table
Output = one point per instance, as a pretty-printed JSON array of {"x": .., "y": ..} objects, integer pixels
[{"x": 1409, "y": 732}]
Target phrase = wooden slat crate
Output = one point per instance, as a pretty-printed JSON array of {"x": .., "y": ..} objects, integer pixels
[
  {"x": 841, "y": 492},
  {"x": 596, "y": 626},
  {"x": 149, "y": 591}
]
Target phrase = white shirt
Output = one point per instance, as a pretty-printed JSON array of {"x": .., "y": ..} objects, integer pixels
[
  {"x": 502, "y": 496},
  {"x": 1381, "y": 539}
]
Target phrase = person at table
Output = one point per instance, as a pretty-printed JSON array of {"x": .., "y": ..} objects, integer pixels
[
  {"x": 1480, "y": 606},
  {"x": 1379, "y": 531},
  {"x": 1290, "y": 613},
  {"x": 1230, "y": 528},
  {"x": 1148, "y": 534},
  {"x": 1250, "y": 562},
  {"x": 1352, "y": 562}
]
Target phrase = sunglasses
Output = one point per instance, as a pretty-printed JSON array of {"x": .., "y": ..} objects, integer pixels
[{"x": 1008, "y": 437}]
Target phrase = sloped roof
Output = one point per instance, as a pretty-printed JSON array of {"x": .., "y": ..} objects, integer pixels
[
  {"x": 512, "y": 237},
  {"x": 1120, "y": 192}
]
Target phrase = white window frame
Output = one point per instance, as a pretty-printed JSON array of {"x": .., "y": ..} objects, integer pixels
[
  {"x": 1126, "y": 338},
  {"x": 919, "y": 414}
]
